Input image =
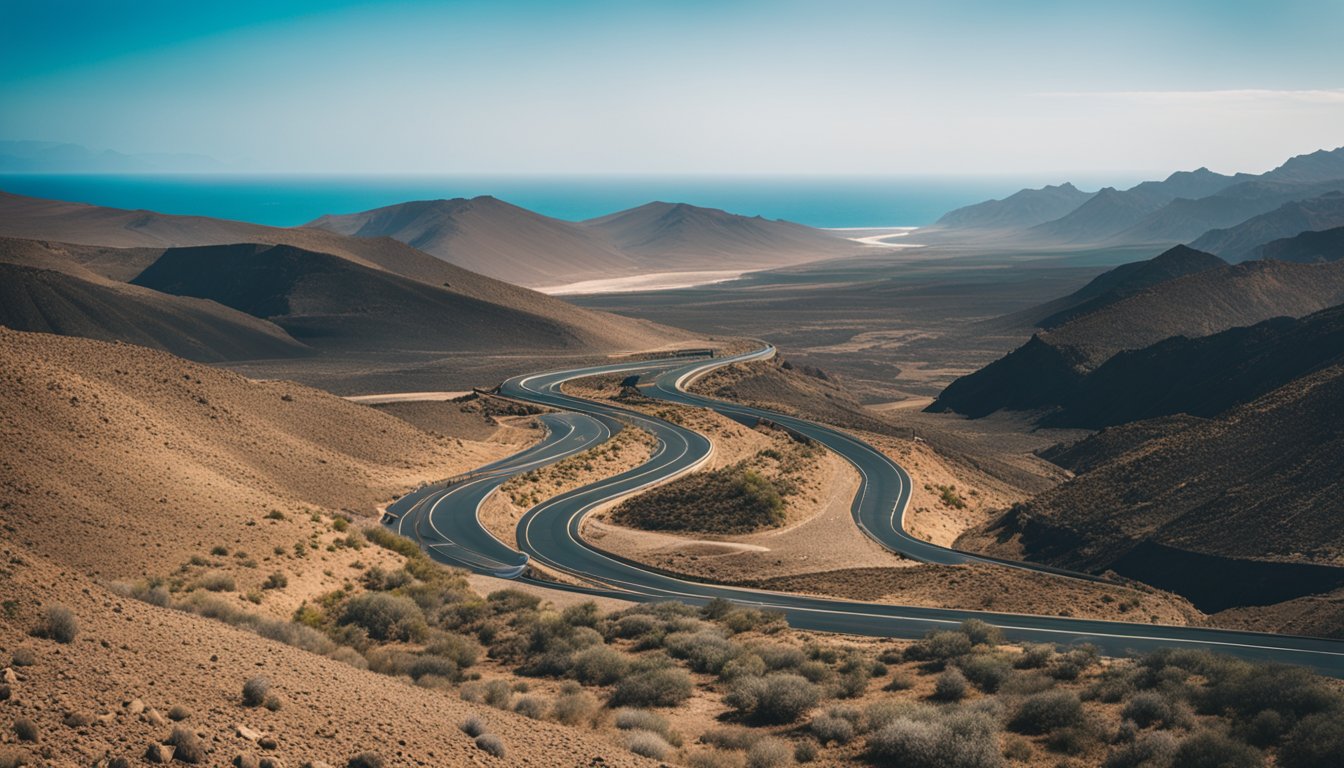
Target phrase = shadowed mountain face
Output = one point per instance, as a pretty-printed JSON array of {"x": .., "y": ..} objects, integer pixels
[
  {"x": 438, "y": 305},
  {"x": 48, "y": 301},
  {"x": 1127, "y": 280},
  {"x": 1203, "y": 376},
  {"x": 491, "y": 237},
  {"x": 1239, "y": 510},
  {"x": 333, "y": 303},
  {"x": 1053, "y": 368},
  {"x": 1306, "y": 248},
  {"x": 1241, "y": 241}
]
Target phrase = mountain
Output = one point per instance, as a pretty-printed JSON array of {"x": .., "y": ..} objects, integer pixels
[
  {"x": 510, "y": 243},
  {"x": 1321, "y": 165},
  {"x": 333, "y": 303},
  {"x": 1239, "y": 510},
  {"x": 491, "y": 237},
  {"x": 1125, "y": 280},
  {"x": 1177, "y": 209},
  {"x": 1053, "y": 364},
  {"x": 1113, "y": 211},
  {"x": 56, "y": 157},
  {"x": 1022, "y": 209},
  {"x": 1203, "y": 376},
  {"x": 393, "y": 269},
  {"x": 1239, "y": 242},
  {"x": 676, "y": 236},
  {"x": 1306, "y": 248},
  {"x": 48, "y": 301}
]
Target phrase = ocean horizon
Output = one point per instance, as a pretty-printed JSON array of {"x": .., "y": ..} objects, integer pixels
[{"x": 291, "y": 200}]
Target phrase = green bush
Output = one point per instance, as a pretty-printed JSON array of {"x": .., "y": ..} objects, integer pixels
[
  {"x": 59, "y": 624},
  {"x": 780, "y": 697},
  {"x": 386, "y": 617},
  {"x": 987, "y": 671},
  {"x": 188, "y": 747},
  {"x": 1151, "y": 750},
  {"x": 939, "y": 647},
  {"x": 1316, "y": 742},
  {"x": 769, "y": 752},
  {"x": 830, "y": 728},
  {"x": 599, "y": 665},
  {"x": 950, "y": 686},
  {"x": 255, "y": 691},
  {"x": 647, "y": 744},
  {"x": 1211, "y": 749},
  {"x": 653, "y": 688},
  {"x": 1148, "y": 708},
  {"x": 1046, "y": 712},
  {"x": 734, "y": 499}
]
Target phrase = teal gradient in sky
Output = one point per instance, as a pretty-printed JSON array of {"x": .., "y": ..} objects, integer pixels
[{"x": 681, "y": 87}]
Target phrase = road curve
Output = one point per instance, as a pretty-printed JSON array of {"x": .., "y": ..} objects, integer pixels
[{"x": 549, "y": 534}]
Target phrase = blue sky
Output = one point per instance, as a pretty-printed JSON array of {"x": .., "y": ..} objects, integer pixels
[{"x": 681, "y": 87}]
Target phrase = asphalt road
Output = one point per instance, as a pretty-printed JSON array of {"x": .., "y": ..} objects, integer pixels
[{"x": 549, "y": 534}]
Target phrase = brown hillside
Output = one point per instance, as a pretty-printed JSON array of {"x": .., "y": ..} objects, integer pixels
[
  {"x": 59, "y": 295},
  {"x": 33, "y": 218},
  {"x": 124, "y": 462},
  {"x": 1239, "y": 510},
  {"x": 491, "y": 237}
]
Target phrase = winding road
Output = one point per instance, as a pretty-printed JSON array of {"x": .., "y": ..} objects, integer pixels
[{"x": 444, "y": 521}]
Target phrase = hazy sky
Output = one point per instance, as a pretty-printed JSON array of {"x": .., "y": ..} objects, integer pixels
[{"x": 639, "y": 87}]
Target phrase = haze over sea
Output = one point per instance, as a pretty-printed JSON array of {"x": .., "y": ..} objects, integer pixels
[{"x": 819, "y": 201}]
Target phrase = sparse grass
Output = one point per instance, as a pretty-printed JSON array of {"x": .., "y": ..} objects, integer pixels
[
  {"x": 255, "y": 691},
  {"x": 1046, "y": 712},
  {"x": 735, "y": 499},
  {"x": 216, "y": 581},
  {"x": 490, "y": 744},
  {"x": 648, "y": 744},
  {"x": 25, "y": 729},
  {"x": 59, "y": 624},
  {"x": 653, "y": 688},
  {"x": 780, "y": 697},
  {"x": 189, "y": 747}
]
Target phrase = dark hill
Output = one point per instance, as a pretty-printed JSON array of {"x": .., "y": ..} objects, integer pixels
[
  {"x": 333, "y": 302},
  {"x": 1306, "y": 248},
  {"x": 1240, "y": 510},
  {"x": 1046, "y": 371},
  {"x": 48, "y": 301},
  {"x": 1204, "y": 376},
  {"x": 1239, "y": 242},
  {"x": 1126, "y": 280}
]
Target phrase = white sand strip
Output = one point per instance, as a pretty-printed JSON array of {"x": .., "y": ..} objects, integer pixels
[
  {"x": 654, "y": 281},
  {"x": 406, "y": 397}
]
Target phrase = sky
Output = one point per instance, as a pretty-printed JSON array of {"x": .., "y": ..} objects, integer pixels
[{"x": 692, "y": 86}]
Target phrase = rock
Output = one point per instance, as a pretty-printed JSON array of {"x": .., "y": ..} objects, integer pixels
[
  {"x": 315, "y": 764},
  {"x": 9, "y": 677},
  {"x": 271, "y": 762},
  {"x": 119, "y": 762},
  {"x": 4, "y": 692},
  {"x": 268, "y": 742},
  {"x": 248, "y": 733},
  {"x": 153, "y": 717},
  {"x": 246, "y": 761},
  {"x": 104, "y": 718},
  {"x": 135, "y": 706},
  {"x": 159, "y": 753}
]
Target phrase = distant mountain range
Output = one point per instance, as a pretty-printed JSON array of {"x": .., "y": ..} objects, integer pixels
[
  {"x": 1181, "y": 293},
  {"x": 335, "y": 293},
  {"x": 504, "y": 241},
  {"x": 56, "y": 157},
  {"x": 1181, "y": 208}
]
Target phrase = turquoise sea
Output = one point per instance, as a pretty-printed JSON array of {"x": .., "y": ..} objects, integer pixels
[{"x": 820, "y": 201}]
